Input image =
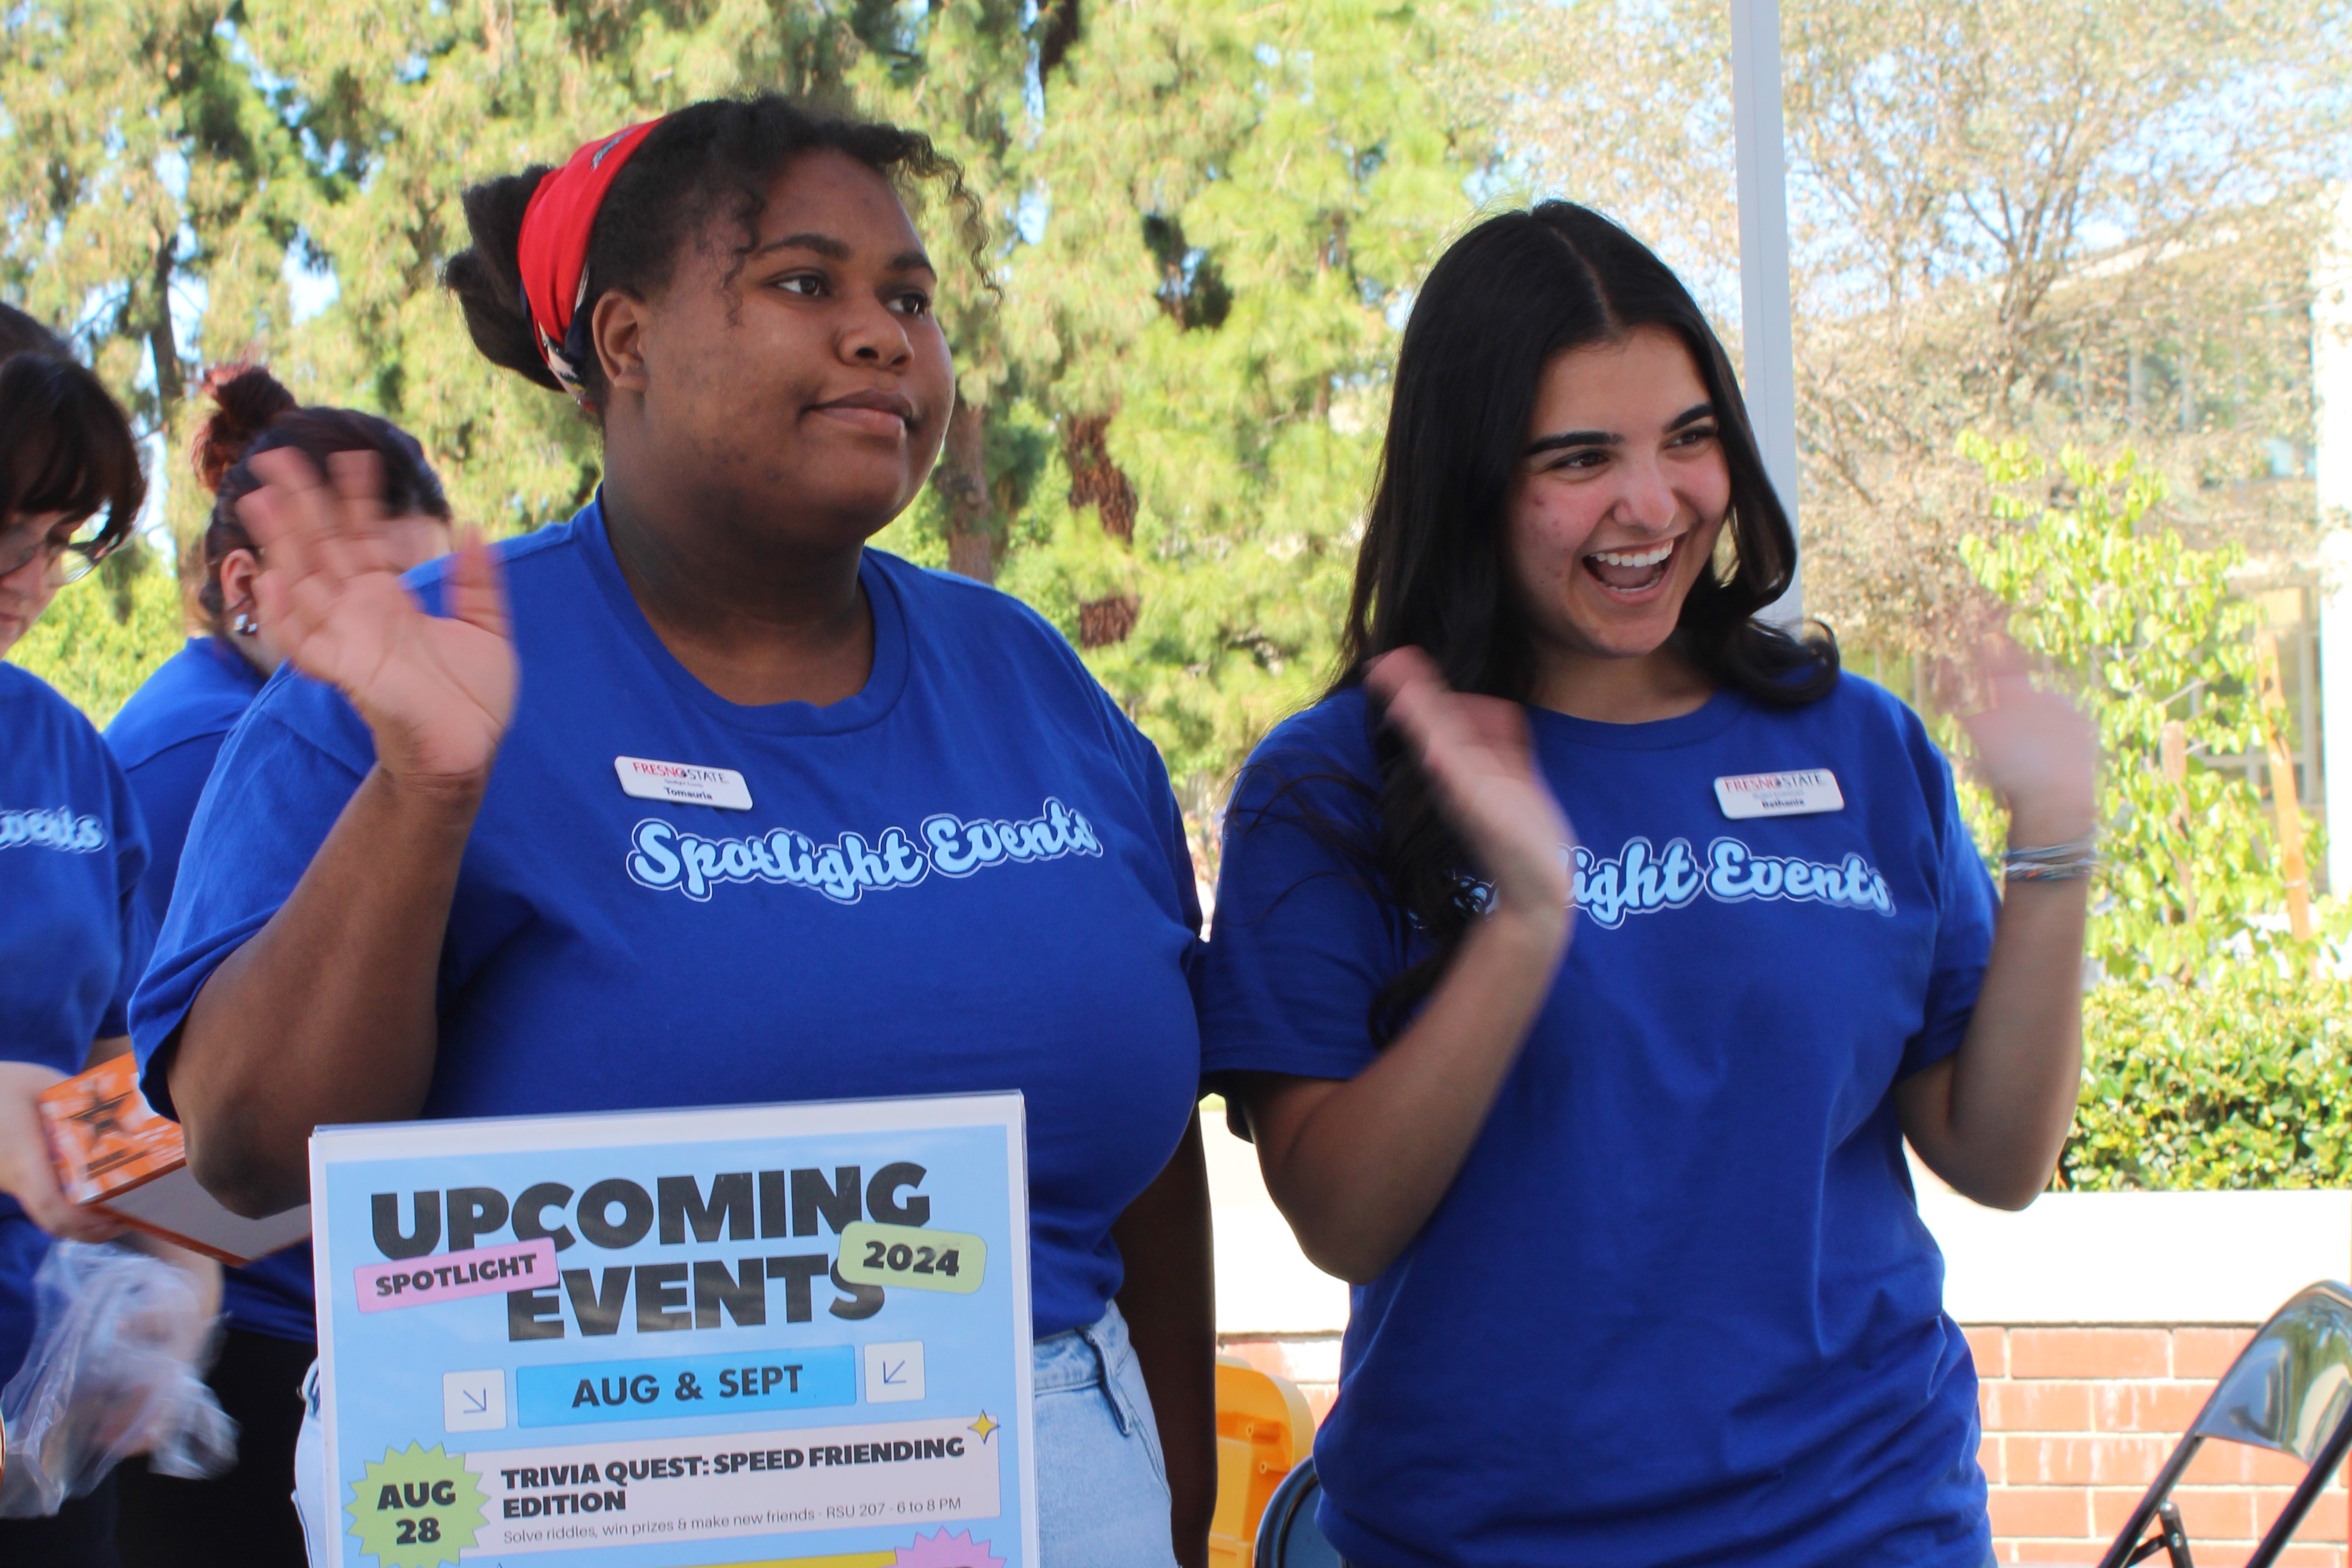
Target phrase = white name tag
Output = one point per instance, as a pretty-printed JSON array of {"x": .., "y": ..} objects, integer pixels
[
  {"x": 1797, "y": 794},
  {"x": 683, "y": 783}
]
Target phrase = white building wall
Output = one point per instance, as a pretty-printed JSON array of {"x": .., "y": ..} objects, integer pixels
[{"x": 2167, "y": 1258}]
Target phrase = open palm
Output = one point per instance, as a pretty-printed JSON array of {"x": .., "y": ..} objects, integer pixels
[
  {"x": 1475, "y": 751},
  {"x": 437, "y": 692},
  {"x": 2034, "y": 747}
]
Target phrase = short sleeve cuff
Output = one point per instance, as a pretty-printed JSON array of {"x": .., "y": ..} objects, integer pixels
[{"x": 1951, "y": 1003}]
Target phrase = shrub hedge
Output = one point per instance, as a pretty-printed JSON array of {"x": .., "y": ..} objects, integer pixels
[{"x": 2242, "y": 1082}]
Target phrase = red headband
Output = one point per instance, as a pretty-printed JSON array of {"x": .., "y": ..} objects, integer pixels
[{"x": 552, "y": 251}]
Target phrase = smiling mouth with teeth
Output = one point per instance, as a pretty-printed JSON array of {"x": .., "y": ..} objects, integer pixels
[{"x": 1630, "y": 571}]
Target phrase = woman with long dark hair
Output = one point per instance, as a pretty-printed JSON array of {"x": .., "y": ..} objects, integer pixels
[
  {"x": 166, "y": 738},
  {"x": 438, "y": 890},
  {"x": 1639, "y": 1277},
  {"x": 73, "y": 934}
]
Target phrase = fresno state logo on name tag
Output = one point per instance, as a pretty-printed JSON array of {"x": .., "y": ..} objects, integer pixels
[
  {"x": 1800, "y": 793},
  {"x": 683, "y": 784}
]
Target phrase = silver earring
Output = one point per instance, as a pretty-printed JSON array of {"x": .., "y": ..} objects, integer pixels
[{"x": 244, "y": 626}]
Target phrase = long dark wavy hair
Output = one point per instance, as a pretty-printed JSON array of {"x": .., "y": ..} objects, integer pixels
[{"x": 1433, "y": 573}]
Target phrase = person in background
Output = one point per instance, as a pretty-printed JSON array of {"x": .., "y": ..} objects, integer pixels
[
  {"x": 1656, "y": 1175},
  {"x": 73, "y": 933},
  {"x": 166, "y": 738},
  {"x": 439, "y": 890},
  {"x": 169, "y": 732}
]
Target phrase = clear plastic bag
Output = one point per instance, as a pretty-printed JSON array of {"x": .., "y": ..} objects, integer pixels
[{"x": 121, "y": 1340}]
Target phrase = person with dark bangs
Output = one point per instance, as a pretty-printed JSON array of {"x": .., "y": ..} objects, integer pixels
[
  {"x": 445, "y": 884},
  {"x": 1636, "y": 1204},
  {"x": 73, "y": 935},
  {"x": 166, "y": 738}
]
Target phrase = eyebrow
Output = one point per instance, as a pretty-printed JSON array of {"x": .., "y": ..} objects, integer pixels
[
  {"x": 1568, "y": 438},
  {"x": 834, "y": 249},
  {"x": 823, "y": 245}
]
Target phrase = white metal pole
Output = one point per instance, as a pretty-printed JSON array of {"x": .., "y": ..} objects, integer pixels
[
  {"x": 2331, "y": 386},
  {"x": 1767, "y": 334}
]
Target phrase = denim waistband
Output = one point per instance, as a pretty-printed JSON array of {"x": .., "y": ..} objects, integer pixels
[{"x": 1081, "y": 1357}]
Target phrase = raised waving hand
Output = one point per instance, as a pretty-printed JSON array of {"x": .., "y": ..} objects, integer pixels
[
  {"x": 2035, "y": 748},
  {"x": 437, "y": 691}
]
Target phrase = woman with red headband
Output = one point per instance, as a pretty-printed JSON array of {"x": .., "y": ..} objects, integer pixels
[{"x": 939, "y": 860}]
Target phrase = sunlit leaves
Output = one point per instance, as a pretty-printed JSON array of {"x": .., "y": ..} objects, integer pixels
[
  {"x": 2242, "y": 1082},
  {"x": 2152, "y": 633}
]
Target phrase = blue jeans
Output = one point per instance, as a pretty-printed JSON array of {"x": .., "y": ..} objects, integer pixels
[{"x": 1102, "y": 1483}]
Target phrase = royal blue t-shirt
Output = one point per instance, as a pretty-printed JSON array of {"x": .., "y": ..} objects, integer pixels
[
  {"x": 969, "y": 876},
  {"x": 1678, "y": 1307},
  {"x": 166, "y": 737},
  {"x": 73, "y": 934}
]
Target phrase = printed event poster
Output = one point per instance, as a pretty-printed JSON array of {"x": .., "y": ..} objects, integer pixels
[{"x": 756, "y": 1335}]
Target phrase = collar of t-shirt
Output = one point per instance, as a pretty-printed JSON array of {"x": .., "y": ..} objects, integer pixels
[
  {"x": 200, "y": 691},
  {"x": 872, "y": 702}
]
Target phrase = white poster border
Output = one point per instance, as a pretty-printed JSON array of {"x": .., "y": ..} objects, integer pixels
[{"x": 352, "y": 1142}]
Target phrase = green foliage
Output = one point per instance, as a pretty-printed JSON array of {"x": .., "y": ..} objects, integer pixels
[
  {"x": 144, "y": 161},
  {"x": 2149, "y": 629},
  {"x": 1206, "y": 218},
  {"x": 2215, "y": 1052},
  {"x": 2241, "y": 1082},
  {"x": 1243, "y": 197},
  {"x": 96, "y": 646},
  {"x": 400, "y": 106}
]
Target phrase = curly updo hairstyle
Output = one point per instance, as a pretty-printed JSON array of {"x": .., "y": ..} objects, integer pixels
[
  {"x": 708, "y": 161},
  {"x": 253, "y": 414}
]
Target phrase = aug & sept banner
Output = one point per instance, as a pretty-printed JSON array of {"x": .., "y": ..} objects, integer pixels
[{"x": 759, "y": 1336}]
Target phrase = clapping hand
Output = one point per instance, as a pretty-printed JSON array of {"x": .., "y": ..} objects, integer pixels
[{"x": 1475, "y": 751}]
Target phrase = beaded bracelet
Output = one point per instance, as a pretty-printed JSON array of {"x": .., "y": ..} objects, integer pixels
[{"x": 2057, "y": 863}]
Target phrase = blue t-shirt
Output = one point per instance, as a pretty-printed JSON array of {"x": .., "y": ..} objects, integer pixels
[
  {"x": 1678, "y": 1307},
  {"x": 970, "y": 876},
  {"x": 73, "y": 934},
  {"x": 166, "y": 738}
]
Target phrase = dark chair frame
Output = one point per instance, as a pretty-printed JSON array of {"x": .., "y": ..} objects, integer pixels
[
  {"x": 1295, "y": 1496},
  {"x": 2289, "y": 1391}
]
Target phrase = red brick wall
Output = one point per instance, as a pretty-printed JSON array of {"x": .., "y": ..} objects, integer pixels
[{"x": 2077, "y": 1421}]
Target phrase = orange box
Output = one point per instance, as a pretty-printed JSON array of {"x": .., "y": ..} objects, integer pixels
[{"x": 114, "y": 1154}]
